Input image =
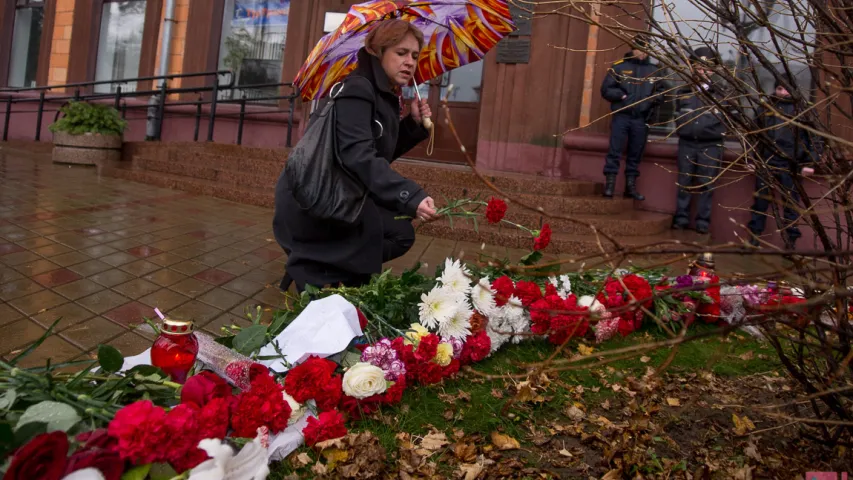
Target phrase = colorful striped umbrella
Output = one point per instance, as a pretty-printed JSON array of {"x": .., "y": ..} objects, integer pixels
[{"x": 456, "y": 33}]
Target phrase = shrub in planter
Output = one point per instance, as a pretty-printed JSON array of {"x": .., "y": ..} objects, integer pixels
[{"x": 87, "y": 134}]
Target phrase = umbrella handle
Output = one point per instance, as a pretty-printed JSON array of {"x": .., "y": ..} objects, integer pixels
[{"x": 427, "y": 123}]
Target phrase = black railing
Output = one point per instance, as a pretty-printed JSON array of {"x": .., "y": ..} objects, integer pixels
[{"x": 158, "y": 102}]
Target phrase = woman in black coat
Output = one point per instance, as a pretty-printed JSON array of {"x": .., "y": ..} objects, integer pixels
[{"x": 322, "y": 253}]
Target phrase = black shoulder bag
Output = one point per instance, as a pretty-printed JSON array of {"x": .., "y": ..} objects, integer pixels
[{"x": 321, "y": 185}]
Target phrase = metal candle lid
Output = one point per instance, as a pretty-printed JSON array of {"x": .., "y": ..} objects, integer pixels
[{"x": 177, "y": 327}]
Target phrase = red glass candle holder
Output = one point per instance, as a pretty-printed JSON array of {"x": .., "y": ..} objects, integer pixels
[{"x": 176, "y": 349}]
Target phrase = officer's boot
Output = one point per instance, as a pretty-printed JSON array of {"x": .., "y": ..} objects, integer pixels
[
  {"x": 631, "y": 189},
  {"x": 609, "y": 185}
]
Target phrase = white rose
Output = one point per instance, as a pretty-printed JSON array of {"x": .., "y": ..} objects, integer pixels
[
  {"x": 590, "y": 301},
  {"x": 363, "y": 380}
]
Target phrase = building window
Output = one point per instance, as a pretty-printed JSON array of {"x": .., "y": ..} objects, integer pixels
[
  {"x": 120, "y": 43},
  {"x": 252, "y": 46},
  {"x": 26, "y": 43},
  {"x": 697, "y": 27}
]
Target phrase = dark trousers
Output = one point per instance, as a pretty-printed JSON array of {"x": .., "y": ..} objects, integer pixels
[
  {"x": 633, "y": 130},
  {"x": 790, "y": 200},
  {"x": 398, "y": 236},
  {"x": 698, "y": 164}
]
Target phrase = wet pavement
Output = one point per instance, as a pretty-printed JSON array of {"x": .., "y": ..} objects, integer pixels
[{"x": 101, "y": 253}]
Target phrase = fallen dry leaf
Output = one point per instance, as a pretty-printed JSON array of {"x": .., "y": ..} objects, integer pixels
[
  {"x": 471, "y": 470},
  {"x": 645, "y": 359},
  {"x": 497, "y": 393},
  {"x": 303, "y": 459},
  {"x": 616, "y": 387},
  {"x": 565, "y": 453},
  {"x": 751, "y": 451},
  {"x": 606, "y": 405},
  {"x": 434, "y": 441},
  {"x": 504, "y": 442},
  {"x": 612, "y": 475},
  {"x": 673, "y": 402},
  {"x": 585, "y": 350},
  {"x": 319, "y": 469},
  {"x": 747, "y": 356},
  {"x": 575, "y": 413},
  {"x": 526, "y": 393},
  {"x": 742, "y": 425},
  {"x": 465, "y": 452}
]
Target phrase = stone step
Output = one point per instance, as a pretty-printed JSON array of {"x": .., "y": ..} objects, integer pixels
[
  {"x": 590, "y": 204},
  {"x": 248, "y": 178},
  {"x": 262, "y": 197},
  {"x": 628, "y": 223},
  {"x": 462, "y": 176},
  {"x": 561, "y": 243}
]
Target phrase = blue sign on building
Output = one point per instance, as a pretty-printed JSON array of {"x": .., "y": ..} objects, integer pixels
[{"x": 260, "y": 12}]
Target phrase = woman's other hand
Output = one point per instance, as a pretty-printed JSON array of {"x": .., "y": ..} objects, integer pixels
[
  {"x": 426, "y": 210},
  {"x": 420, "y": 109}
]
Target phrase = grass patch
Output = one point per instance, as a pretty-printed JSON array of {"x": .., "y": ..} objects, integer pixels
[{"x": 474, "y": 404}]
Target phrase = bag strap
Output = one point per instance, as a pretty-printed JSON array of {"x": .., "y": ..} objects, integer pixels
[{"x": 333, "y": 95}]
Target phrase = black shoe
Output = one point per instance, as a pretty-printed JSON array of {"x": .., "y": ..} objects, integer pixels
[
  {"x": 609, "y": 185},
  {"x": 678, "y": 226},
  {"x": 753, "y": 242},
  {"x": 702, "y": 230},
  {"x": 631, "y": 189}
]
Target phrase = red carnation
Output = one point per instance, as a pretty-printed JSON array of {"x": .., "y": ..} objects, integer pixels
[
  {"x": 540, "y": 317},
  {"x": 329, "y": 396},
  {"x": 527, "y": 292},
  {"x": 328, "y": 426},
  {"x": 544, "y": 239},
  {"x": 427, "y": 348},
  {"x": 639, "y": 288},
  {"x": 204, "y": 387},
  {"x": 428, "y": 373},
  {"x": 141, "y": 432},
  {"x": 626, "y": 325},
  {"x": 262, "y": 405},
  {"x": 495, "y": 210},
  {"x": 214, "y": 418},
  {"x": 550, "y": 289},
  {"x": 504, "y": 288},
  {"x": 44, "y": 457},
  {"x": 476, "y": 348},
  {"x": 183, "y": 452},
  {"x": 306, "y": 380}
]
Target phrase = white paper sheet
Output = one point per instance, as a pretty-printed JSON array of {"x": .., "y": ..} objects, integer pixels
[
  {"x": 324, "y": 328},
  {"x": 290, "y": 439}
]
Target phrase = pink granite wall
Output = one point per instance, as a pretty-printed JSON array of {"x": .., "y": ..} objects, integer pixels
[{"x": 583, "y": 158}]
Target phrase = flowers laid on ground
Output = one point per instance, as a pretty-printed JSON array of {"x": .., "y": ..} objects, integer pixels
[{"x": 462, "y": 318}]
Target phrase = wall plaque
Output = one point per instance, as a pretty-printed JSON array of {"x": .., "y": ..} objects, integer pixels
[
  {"x": 522, "y": 20},
  {"x": 514, "y": 50}
]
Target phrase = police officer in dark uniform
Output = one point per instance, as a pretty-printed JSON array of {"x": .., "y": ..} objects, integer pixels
[
  {"x": 633, "y": 92},
  {"x": 798, "y": 156},
  {"x": 700, "y": 141}
]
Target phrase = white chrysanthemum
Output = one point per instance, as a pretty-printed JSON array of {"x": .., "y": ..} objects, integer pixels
[
  {"x": 590, "y": 302},
  {"x": 497, "y": 337},
  {"x": 456, "y": 276},
  {"x": 566, "y": 283},
  {"x": 513, "y": 310},
  {"x": 437, "y": 306},
  {"x": 483, "y": 297},
  {"x": 458, "y": 325}
]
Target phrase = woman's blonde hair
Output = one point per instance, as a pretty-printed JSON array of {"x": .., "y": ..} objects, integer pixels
[{"x": 389, "y": 33}]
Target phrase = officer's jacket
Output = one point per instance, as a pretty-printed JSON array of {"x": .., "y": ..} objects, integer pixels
[
  {"x": 794, "y": 142},
  {"x": 697, "y": 118},
  {"x": 636, "y": 80}
]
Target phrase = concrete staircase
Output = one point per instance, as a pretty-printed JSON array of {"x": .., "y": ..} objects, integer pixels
[{"x": 248, "y": 175}]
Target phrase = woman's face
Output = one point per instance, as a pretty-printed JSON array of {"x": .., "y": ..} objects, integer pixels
[{"x": 400, "y": 61}]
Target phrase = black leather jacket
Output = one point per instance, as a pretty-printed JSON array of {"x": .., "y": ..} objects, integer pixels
[
  {"x": 697, "y": 118},
  {"x": 794, "y": 142},
  {"x": 635, "y": 80}
]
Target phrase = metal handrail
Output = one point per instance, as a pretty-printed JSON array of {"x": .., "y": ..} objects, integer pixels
[{"x": 156, "y": 110}]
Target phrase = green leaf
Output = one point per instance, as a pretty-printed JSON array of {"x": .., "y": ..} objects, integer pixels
[
  {"x": 8, "y": 399},
  {"x": 7, "y": 439},
  {"x": 57, "y": 416},
  {"x": 35, "y": 344},
  {"x": 350, "y": 358},
  {"x": 137, "y": 473},
  {"x": 28, "y": 431},
  {"x": 250, "y": 339},
  {"x": 147, "y": 371},
  {"x": 110, "y": 358},
  {"x": 162, "y": 471},
  {"x": 531, "y": 258}
]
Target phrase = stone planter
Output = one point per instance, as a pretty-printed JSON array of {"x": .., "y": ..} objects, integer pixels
[{"x": 86, "y": 149}]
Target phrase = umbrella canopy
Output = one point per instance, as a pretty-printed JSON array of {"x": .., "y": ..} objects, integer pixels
[{"x": 456, "y": 33}]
